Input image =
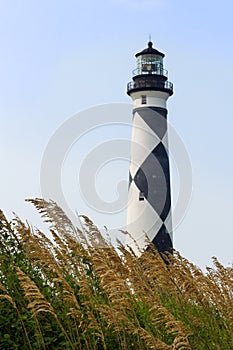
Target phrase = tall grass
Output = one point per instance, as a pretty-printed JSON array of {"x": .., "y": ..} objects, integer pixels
[{"x": 78, "y": 292}]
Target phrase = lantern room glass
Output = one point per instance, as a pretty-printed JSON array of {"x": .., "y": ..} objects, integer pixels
[{"x": 150, "y": 64}]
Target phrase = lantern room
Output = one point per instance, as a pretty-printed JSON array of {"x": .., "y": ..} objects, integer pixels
[
  {"x": 149, "y": 61},
  {"x": 150, "y": 74}
]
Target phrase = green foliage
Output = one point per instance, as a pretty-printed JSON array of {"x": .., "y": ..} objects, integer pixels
[{"x": 76, "y": 292}]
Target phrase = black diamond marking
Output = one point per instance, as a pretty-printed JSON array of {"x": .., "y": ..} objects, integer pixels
[
  {"x": 155, "y": 119},
  {"x": 153, "y": 179},
  {"x": 130, "y": 179},
  {"x": 162, "y": 241},
  {"x": 141, "y": 182},
  {"x": 161, "y": 154}
]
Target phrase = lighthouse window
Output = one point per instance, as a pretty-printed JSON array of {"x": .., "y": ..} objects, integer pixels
[
  {"x": 143, "y": 99},
  {"x": 141, "y": 196}
]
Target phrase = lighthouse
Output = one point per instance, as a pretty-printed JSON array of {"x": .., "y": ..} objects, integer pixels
[{"x": 149, "y": 216}]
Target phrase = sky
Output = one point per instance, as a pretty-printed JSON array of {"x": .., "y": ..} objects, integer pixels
[{"x": 60, "y": 58}]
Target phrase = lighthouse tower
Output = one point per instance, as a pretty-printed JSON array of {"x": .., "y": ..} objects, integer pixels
[{"x": 149, "y": 201}]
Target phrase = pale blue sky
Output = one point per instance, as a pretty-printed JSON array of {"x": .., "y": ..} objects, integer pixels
[{"x": 45, "y": 49}]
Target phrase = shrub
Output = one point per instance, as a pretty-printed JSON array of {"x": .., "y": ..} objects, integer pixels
[{"x": 76, "y": 291}]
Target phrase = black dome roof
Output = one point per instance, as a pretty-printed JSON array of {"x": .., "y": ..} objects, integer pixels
[{"x": 150, "y": 50}]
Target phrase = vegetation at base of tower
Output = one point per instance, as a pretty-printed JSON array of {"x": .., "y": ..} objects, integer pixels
[{"x": 76, "y": 291}]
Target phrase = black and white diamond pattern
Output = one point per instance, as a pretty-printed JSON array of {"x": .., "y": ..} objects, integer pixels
[{"x": 149, "y": 207}]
